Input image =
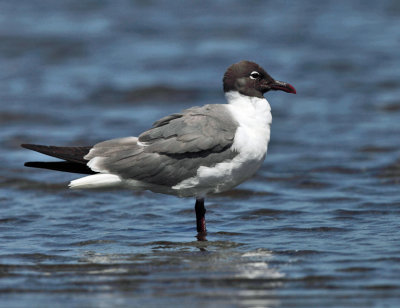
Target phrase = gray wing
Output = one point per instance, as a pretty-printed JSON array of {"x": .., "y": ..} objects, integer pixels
[
  {"x": 196, "y": 129},
  {"x": 172, "y": 150}
]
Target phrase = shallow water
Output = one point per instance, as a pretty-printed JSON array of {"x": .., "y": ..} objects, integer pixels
[{"x": 317, "y": 227}]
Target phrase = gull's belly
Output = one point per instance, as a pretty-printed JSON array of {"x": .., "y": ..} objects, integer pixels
[
  {"x": 221, "y": 177},
  {"x": 239, "y": 173}
]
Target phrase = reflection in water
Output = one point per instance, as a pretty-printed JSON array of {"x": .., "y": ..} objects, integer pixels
[
  {"x": 254, "y": 265},
  {"x": 218, "y": 268}
]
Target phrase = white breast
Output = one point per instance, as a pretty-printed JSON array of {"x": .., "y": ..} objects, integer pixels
[
  {"x": 251, "y": 142},
  {"x": 254, "y": 117}
]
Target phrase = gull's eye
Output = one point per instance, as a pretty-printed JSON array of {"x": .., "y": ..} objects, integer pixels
[{"x": 254, "y": 75}]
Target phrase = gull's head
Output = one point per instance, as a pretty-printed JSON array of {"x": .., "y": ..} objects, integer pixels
[{"x": 248, "y": 78}]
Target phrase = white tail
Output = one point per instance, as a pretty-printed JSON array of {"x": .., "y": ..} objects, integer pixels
[{"x": 96, "y": 181}]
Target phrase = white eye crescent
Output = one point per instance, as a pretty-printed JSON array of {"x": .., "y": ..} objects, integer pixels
[{"x": 254, "y": 75}]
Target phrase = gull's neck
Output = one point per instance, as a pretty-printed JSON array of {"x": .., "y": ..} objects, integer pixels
[{"x": 237, "y": 100}]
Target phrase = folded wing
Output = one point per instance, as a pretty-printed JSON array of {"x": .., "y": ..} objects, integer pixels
[{"x": 172, "y": 150}]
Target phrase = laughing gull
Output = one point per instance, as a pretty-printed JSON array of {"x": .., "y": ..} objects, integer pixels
[{"x": 197, "y": 152}]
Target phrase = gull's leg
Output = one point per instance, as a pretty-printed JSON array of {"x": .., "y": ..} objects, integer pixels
[{"x": 200, "y": 216}]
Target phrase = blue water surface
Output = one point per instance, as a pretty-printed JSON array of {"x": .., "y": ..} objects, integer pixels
[{"x": 319, "y": 224}]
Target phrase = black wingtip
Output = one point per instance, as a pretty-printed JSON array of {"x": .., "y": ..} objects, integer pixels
[
  {"x": 35, "y": 164},
  {"x": 29, "y": 164},
  {"x": 63, "y": 166},
  {"x": 35, "y": 147},
  {"x": 27, "y": 146},
  {"x": 72, "y": 154}
]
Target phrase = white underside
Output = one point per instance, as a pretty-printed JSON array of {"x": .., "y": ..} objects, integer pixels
[{"x": 251, "y": 142}]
